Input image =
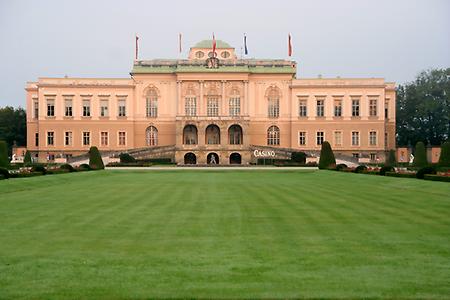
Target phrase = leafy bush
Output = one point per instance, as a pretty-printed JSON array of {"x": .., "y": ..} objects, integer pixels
[
  {"x": 126, "y": 158},
  {"x": 95, "y": 159},
  {"x": 420, "y": 155},
  {"x": 341, "y": 167},
  {"x": 67, "y": 167},
  {"x": 444, "y": 158},
  {"x": 436, "y": 177},
  {"x": 402, "y": 175},
  {"x": 426, "y": 170},
  {"x": 4, "y": 174},
  {"x": 361, "y": 169},
  {"x": 27, "y": 159},
  {"x": 39, "y": 169},
  {"x": 385, "y": 169},
  {"x": 327, "y": 159},
  {"x": 4, "y": 160},
  {"x": 299, "y": 157}
]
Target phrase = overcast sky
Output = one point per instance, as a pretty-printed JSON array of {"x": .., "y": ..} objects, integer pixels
[{"x": 394, "y": 39}]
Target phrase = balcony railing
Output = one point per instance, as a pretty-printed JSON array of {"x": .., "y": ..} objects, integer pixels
[{"x": 210, "y": 118}]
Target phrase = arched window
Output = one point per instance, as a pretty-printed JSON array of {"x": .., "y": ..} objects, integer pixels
[
  {"x": 235, "y": 103},
  {"x": 273, "y": 98},
  {"x": 190, "y": 135},
  {"x": 151, "y": 136},
  {"x": 151, "y": 105},
  {"x": 235, "y": 134},
  {"x": 212, "y": 135},
  {"x": 273, "y": 135}
]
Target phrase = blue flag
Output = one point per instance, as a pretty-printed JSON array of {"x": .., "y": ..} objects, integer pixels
[{"x": 245, "y": 45}]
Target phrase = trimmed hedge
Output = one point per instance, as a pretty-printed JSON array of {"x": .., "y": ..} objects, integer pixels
[
  {"x": 391, "y": 159},
  {"x": 402, "y": 175},
  {"x": 27, "y": 158},
  {"x": 4, "y": 174},
  {"x": 436, "y": 177},
  {"x": 385, "y": 169},
  {"x": 326, "y": 159},
  {"x": 420, "y": 155},
  {"x": 444, "y": 158},
  {"x": 67, "y": 167},
  {"x": 298, "y": 157},
  {"x": 126, "y": 158},
  {"x": 84, "y": 167},
  {"x": 341, "y": 167},
  {"x": 360, "y": 169},
  {"x": 39, "y": 169},
  {"x": 4, "y": 160},
  {"x": 426, "y": 170},
  {"x": 95, "y": 159}
]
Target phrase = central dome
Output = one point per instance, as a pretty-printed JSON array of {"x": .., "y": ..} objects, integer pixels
[{"x": 208, "y": 44}]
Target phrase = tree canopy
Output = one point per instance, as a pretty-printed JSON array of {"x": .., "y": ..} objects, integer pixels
[{"x": 13, "y": 125}]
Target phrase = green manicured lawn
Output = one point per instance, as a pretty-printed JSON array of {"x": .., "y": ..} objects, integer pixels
[{"x": 223, "y": 234}]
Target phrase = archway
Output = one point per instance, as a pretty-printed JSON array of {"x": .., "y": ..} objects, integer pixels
[
  {"x": 212, "y": 136},
  {"x": 190, "y": 159},
  {"x": 235, "y": 159},
  {"x": 212, "y": 159},
  {"x": 190, "y": 136},
  {"x": 235, "y": 135}
]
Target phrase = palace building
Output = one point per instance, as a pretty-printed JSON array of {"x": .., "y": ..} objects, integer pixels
[{"x": 210, "y": 109}]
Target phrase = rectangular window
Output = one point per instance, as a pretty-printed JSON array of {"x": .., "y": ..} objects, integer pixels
[
  {"x": 151, "y": 107},
  {"x": 338, "y": 138},
  {"x": 320, "y": 137},
  {"x": 274, "y": 107},
  {"x": 302, "y": 108},
  {"x": 50, "y": 108},
  {"x": 355, "y": 138},
  {"x": 104, "y": 108},
  {"x": 212, "y": 107},
  {"x": 373, "y": 138},
  {"x": 86, "y": 138},
  {"x": 68, "y": 108},
  {"x": 302, "y": 138},
  {"x": 68, "y": 138},
  {"x": 36, "y": 109},
  {"x": 50, "y": 138},
  {"x": 122, "y": 108},
  {"x": 320, "y": 108},
  {"x": 373, "y": 107},
  {"x": 355, "y": 108},
  {"x": 36, "y": 139},
  {"x": 104, "y": 138},
  {"x": 235, "y": 106},
  {"x": 338, "y": 108},
  {"x": 373, "y": 156},
  {"x": 86, "y": 108},
  {"x": 190, "y": 107},
  {"x": 122, "y": 138},
  {"x": 355, "y": 155}
]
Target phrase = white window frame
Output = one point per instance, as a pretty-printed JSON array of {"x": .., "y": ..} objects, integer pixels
[
  {"x": 118, "y": 138},
  {"x": 376, "y": 138},
  {"x": 101, "y": 138},
  {"x": 82, "y": 138},
  {"x": 373, "y": 106},
  {"x": 305, "y": 137},
  {"x": 48, "y": 101},
  {"x": 335, "y": 136},
  {"x": 190, "y": 106},
  {"x": 102, "y": 101},
  {"x": 234, "y": 105},
  {"x": 359, "y": 138},
  {"x": 317, "y": 137},
  {"x": 212, "y": 106},
  {"x": 70, "y": 138},
  {"x": 302, "y": 107},
  {"x": 46, "y": 138},
  {"x": 121, "y": 109}
]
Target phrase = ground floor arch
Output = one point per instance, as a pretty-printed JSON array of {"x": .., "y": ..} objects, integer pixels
[
  {"x": 212, "y": 159},
  {"x": 190, "y": 159},
  {"x": 235, "y": 158}
]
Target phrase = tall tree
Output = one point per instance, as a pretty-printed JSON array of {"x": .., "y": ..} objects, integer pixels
[
  {"x": 423, "y": 109},
  {"x": 13, "y": 126}
]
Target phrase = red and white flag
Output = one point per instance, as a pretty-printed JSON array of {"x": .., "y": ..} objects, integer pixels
[
  {"x": 214, "y": 45},
  {"x": 289, "y": 45},
  {"x": 137, "y": 47}
]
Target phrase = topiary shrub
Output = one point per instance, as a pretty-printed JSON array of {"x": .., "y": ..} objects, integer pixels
[
  {"x": 391, "y": 160},
  {"x": 341, "y": 167},
  {"x": 126, "y": 158},
  {"x": 420, "y": 155},
  {"x": 27, "y": 159},
  {"x": 299, "y": 157},
  {"x": 84, "y": 167},
  {"x": 426, "y": 170},
  {"x": 4, "y": 160},
  {"x": 67, "y": 167},
  {"x": 4, "y": 174},
  {"x": 95, "y": 159},
  {"x": 326, "y": 159},
  {"x": 360, "y": 169},
  {"x": 39, "y": 169},
  {"x": 444, "y": 158},
  {"x": 385, "y": 169}
]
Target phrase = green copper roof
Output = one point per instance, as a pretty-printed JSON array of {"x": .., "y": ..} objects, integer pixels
[{"x": 208, "y": 44}]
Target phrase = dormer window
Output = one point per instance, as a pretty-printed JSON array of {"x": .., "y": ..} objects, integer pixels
[{"x": 199, "y": 54}]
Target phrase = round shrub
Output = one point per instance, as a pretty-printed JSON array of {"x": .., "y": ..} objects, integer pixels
[
  {"x": 341, "y": 167},
  {"x": 4, "y": 174},
  {"x": 126, "y": 158},
  {"x": 385, "y": 169},
  {"x": 67, "y": 167},
  {"x": 299, "y": 157},
  {"x": 426, "y": 170},
  {"x": 39, "y": 169},
  {"x": 360, "y": 169}
]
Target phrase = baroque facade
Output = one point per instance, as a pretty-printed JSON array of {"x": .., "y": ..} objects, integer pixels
[{"x": 210, "y": 109}]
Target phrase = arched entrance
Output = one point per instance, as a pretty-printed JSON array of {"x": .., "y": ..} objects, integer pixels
[
  {"x": 235, "y": 135},
  {"x": 212, "y": 159},
  {"x": 190, "y": 135},
  {"x": 212, "y": 135},
  {"x": 235, "y": 159},
  {"x": 190, "y": 159}
]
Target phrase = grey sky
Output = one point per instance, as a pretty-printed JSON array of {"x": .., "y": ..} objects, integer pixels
[{"x": 347, "y": 38}]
